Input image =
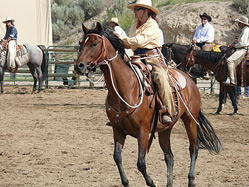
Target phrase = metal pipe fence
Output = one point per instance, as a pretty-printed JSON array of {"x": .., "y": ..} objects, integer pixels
[{"x": 60, "y": 72}]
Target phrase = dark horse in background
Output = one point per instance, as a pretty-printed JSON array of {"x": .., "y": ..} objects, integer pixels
[
  {"x": 177, "y": 52},
  {"x": 216, "y": 62},
  {"x": 35, "y": 59},
  {"x": 132, "y": 111}
]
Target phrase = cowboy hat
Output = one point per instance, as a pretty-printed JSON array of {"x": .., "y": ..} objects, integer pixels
[
  {"x": 243, "y": 19},
  {"x": 8, "y": 19},
  {"x": 114, "y": 20},
  {"x": 143, "y": 3},
  {"x": 206, "y": 16}
]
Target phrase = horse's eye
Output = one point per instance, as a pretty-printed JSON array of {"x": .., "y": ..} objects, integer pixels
[{"x": 94, "y": 44}]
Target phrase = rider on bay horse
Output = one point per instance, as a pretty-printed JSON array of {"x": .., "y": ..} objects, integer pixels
[
  {"x": 144, "y": 39},
  {"x": 9, "y": 40},
  {"x": 241, "y": 49}
]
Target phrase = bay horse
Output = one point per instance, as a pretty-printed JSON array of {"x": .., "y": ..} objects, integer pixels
[
  {"x": 133, "y": 112},
  {"x": 35, "y": 59},
  {"x": 215, "y": 61}
]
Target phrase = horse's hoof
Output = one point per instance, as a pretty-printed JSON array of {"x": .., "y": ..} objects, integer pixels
[
  {"x": 217, "y": 113},
  {"x": 157, "y": 184},
  {"x": 235, "y": 113}
]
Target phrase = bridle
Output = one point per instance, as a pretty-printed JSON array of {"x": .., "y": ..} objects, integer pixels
[
  {"x": 102, "y": 54},
  {"x": 107, "y": 62}
]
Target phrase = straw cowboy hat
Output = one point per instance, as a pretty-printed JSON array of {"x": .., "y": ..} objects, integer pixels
[
  {"x": 8, "y": 19},
  {"x": 143, "y": 3},
  {"x": 243, "y": 19},
  {"x": 114, "y": 20},
  {"x": 206, "y": 16}
]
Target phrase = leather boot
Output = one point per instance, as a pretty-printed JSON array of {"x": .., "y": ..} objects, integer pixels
[{"x": 108, "y": 124}]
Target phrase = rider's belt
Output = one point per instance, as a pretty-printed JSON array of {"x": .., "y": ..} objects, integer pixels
[{"x": 146, "y": 51}]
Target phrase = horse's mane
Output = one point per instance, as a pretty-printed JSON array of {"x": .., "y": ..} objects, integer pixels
[
  {"x": 116, "y": 42},
  {"x": 209, "y": 56}
]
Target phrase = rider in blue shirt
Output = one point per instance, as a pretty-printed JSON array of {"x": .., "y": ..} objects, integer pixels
[
  {"x": 10, "y": 38},
  {"x": 11, "y": 32}
]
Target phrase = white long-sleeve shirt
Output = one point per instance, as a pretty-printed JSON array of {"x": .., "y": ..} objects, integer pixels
[
  {"x": 119, "y": 31},
  {"x": 204, "y": 33},
  {"x": 243, "y": 40}
]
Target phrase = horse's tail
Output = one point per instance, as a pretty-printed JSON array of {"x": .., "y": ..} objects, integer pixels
[
  {"x": 44, "y": 61},
  {"x": 206, "y": 137}
]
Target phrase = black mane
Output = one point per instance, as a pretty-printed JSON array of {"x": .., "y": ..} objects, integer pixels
[
  {"x": 116, "y": 42},
  {"x": 209, "y": 56}
]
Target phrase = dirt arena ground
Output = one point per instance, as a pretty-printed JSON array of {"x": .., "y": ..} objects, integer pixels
[{"x": 59, "y": 138}]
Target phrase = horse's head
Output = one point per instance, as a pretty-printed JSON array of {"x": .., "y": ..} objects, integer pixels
[
  {"x": 167, "y": 52},
  {"x": 97, "y": 48},
  {"x": 91, "y": 49},
  {"x": 189, "y": 59}
]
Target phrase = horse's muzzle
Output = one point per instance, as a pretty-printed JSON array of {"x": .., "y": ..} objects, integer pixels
[{"x": 80, "y": 68}]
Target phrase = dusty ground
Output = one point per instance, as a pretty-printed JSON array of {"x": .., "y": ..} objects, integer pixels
[{"x": 59, "y": 138}]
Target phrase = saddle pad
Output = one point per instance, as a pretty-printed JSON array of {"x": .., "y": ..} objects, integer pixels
[
  {"x": 180, "y": 79},
  {"x": 21, "y": 50}
]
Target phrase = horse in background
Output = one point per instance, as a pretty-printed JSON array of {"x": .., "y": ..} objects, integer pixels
[
  {"x": 35, "y": 60},
  {"x": 132, "y": 111},
  {"x": 216, "y": 62},
  {"x": 176, "y": 52}
]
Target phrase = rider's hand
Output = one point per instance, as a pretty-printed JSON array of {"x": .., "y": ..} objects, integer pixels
[
  {"x": 231, "y": 45},
  {"x": 194, "y": 41}
]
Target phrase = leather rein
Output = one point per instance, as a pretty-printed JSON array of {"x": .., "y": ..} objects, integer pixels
[{"x": 96, "y": 62}]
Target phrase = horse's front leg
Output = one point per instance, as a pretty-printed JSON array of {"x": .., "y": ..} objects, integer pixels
[
  {"x": 119, "y": 140},
  {"x": 142, "y": 148},
  {"x": 164, "y": 141}
]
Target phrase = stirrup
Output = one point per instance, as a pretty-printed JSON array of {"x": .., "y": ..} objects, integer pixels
[{"x": 228, "y": 82}]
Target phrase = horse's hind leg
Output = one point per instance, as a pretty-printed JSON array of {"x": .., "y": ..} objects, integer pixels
[
  {"x": 233, "y": 96},
  {"x": 191, "y": 128},
  {"x": 142, "y": 148},
  {"x": 1, "y": 78},
  {"x": 222, "y": 98},
  {"x": 164, "y": 141},
  {"x": 34, "y": 75},
  {"x": 39, "y": 75},
  {"x": 119, "y": 140}
]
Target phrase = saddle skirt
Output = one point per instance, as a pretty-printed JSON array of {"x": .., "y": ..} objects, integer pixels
[{"x": 21, "y": 55}]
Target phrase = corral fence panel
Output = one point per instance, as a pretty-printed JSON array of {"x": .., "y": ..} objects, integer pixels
[{"x": 60, "y": 72}]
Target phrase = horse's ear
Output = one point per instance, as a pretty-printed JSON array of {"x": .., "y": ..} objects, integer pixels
[
  {"x": 169, "y": 45},
  {"x": 98, "y": 27},
  {"x": 84, "y": 28}
]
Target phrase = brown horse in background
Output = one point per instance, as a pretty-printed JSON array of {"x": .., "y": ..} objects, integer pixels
[
  {"x": 132, "y": 112},
  {"x": 215, "y": 61}
]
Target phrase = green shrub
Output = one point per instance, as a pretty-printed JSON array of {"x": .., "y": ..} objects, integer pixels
[
  {"x": 92, "y": 8},
  {"x": 241, "y": 5},
  {"x": 76, "y": 15},
  {"x": 59, "y": 30},
  {"x": 63, "y": 2}
]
